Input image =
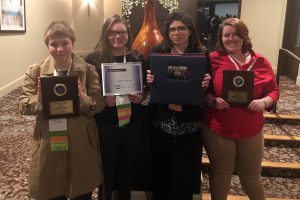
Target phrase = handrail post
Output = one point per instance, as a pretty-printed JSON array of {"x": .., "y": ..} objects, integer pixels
[
  {"x": 278, "y": 72},
  {"x": 279, "y": 68}
]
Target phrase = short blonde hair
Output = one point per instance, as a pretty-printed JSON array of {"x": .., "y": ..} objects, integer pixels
[{"x": 57, "y": 29}]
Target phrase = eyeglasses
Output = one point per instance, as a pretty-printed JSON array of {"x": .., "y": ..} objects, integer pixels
[
  {"x": 178, "y": 29},
  {"x": 116, "y": 33}
]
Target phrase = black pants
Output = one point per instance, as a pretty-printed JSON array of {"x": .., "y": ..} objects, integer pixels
[
  {"x": 118, "y": 148},
  {"x": 87, "y": 196},
  {"x": 177, "y": 165}
]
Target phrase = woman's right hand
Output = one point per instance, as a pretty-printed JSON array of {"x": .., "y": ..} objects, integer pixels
[
  {"x": 150, "y": 77},
  {"x": 110, "y": 101},
  {"x": 221, "y": 104},
  {"x": 205, "y": 82}
]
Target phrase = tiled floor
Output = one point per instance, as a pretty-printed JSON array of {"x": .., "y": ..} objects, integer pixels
[{"x": 15, "y": 148}]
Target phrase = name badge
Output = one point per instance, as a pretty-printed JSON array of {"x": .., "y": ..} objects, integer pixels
[
  {"x": 58, "y": 134},
  {"x": 124, "y": 110},
  {"x": 175, "y": 107}
]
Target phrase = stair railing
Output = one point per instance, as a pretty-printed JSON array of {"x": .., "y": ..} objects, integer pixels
[{"x": 279, "y": 67}]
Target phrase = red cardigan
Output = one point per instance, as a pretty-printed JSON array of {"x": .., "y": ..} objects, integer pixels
[{"x": 239, "y": 123}]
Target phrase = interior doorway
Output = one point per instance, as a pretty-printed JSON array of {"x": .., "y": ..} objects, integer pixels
[
  {"x": 210, "y": 14},
  {"x": 291, "y": 40}
]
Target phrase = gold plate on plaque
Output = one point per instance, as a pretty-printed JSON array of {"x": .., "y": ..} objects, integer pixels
[{"x": 61, "y": 107}]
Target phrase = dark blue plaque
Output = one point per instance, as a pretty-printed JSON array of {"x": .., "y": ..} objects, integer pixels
[{"x": 178, "y": 78}]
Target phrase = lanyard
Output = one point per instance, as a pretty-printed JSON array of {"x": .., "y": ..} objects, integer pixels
[
  {"x": 236, "y": 65},
  {"x": 123, "y": 104},
  {"x": 124, "y": 57},
  {"x": 56, "y": 73}
]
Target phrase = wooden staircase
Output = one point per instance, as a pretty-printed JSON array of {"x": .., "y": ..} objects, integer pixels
[{"x": 278, "y": 140}]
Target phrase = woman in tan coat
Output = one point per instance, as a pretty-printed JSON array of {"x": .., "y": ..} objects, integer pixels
[{"x": 75, "y": 170}]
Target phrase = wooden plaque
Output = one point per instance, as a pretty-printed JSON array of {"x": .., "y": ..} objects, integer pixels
[
  {"x": 60, "y": 96},
  {"x": 238, "y": 87}
]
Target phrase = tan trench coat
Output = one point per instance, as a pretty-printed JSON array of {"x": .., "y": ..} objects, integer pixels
[{"x": 78, "y": 170}]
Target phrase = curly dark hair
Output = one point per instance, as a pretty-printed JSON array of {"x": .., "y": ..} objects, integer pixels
[{"x": 242, "y": 32}]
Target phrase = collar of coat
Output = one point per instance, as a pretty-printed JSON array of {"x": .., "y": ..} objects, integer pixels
[{"x": 47, "y": 66}]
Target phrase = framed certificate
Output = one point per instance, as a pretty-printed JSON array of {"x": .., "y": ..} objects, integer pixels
[
  {"x": 238, "y": 87},
  {"x": 177, "y": 78},
  {"x": 60, "y": 96},
  {"x": 121, "y": 78}
]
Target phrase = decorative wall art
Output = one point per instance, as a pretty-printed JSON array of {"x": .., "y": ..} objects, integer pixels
[{"x": 12, "y": 16}]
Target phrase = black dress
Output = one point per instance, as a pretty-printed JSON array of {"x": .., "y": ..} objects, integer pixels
[{"x": 118, "y": 144}]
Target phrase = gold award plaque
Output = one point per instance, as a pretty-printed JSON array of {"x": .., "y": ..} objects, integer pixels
[{"x": 237, "y": 96}]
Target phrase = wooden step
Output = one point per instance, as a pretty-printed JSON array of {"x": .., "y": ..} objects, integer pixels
[
  {"x": 280, "y": 116},
  {"x": 268, "y": 164},
  {"x": 269, "y": 136},
  {"x": 235, "y": 197},
  {"x": 280, "y": 165},
  {"x": 143, "y": 195}
]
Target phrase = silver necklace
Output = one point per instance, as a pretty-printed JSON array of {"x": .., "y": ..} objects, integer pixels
[{"x": 61, "y": 72}]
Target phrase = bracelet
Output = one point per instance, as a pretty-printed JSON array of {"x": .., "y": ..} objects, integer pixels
[{"x": 267, "y": 104}]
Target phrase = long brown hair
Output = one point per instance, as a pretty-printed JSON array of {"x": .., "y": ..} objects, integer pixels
[
  {"x": 242, "y": 32},
  {"x": 103, "y": 47}
]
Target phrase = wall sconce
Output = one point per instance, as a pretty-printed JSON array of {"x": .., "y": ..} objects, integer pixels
[{"x": 88, "y": 3}]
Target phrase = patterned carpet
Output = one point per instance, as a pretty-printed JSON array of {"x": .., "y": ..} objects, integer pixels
[{"x": 15, "y": 148}]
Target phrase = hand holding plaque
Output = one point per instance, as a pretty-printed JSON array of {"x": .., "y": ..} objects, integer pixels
[
  {"x": 238, "y": 87},
  {"x": 60, "y": 96}
]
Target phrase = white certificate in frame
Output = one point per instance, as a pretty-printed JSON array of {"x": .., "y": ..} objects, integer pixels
[{"x": 121, "y": 78}]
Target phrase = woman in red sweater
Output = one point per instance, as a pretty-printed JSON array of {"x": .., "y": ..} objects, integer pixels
[{"x": 233, "y": 135}]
